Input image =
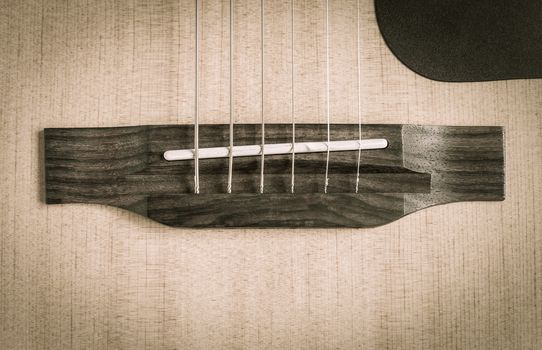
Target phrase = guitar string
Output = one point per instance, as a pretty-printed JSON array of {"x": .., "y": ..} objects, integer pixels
[
  {"x": 292, "y": 189},
  {"x": 262, "y": 162},
  {"x": 196, "y": 124},
  {"x": 326, "y": 183},
  {"x": 230, "y": 161},
  {"x": 358, "y": 57}
]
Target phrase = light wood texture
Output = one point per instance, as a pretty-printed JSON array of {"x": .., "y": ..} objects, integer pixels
[{"x": 460, "y": 276}]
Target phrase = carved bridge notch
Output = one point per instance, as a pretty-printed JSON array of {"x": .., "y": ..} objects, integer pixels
[{"x": 420, "y": 167}]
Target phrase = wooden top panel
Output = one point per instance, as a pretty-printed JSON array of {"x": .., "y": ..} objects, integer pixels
[{"x": 460, "y": 276}]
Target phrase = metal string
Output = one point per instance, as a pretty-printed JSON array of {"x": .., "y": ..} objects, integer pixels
[
  {"x": 359, "y": 97},
  {"x": 230, "y": 162},
  {"x": 293, "y": 109},
  {"x": 327, "y": 97},
  {"x": 196, "y": 124},
  {"x": 263, "y": 119}
]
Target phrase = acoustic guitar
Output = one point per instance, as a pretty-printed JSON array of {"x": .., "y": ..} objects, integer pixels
[{"x": 262, "y": 174}]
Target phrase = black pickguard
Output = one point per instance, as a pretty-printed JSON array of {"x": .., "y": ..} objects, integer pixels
[{"x": 465, "y": 40}]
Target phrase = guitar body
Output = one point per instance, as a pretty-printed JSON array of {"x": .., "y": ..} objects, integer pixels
[{"x": 463, "y": 275}]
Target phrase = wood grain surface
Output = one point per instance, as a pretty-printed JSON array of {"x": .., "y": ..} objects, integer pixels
[
  {"x": 125, "y": 167},
  {"x": 460, "y": 276}
]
